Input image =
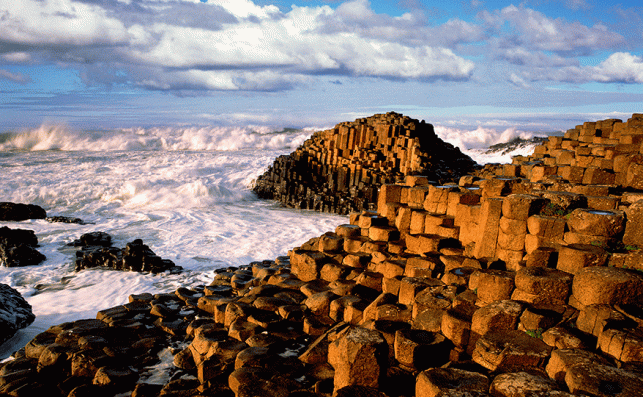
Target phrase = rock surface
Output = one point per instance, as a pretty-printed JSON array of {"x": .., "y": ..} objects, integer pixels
[
  {"x": 15, "y": 312},
  {"x": 96, "y": 250},
  {"x": 17, "y": 248},
  {"x": 481, "y": 288},
  {"x": 20, "y": 212},
  {"x": 340, "y": 170}
]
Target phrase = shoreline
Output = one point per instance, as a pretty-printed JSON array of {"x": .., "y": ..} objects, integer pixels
[{"x": 523, "y": 275}]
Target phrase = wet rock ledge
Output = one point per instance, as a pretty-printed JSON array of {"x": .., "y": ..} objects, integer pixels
[
  {"x": 340, "y": 170},
  {"x": 521, "y": 280}
]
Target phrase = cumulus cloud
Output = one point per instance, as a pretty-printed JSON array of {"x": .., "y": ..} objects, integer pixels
[
  {"x": 537, "y": 31},
  {"x": 620, "y": 67},
  {"x": 230, "y": 45}
]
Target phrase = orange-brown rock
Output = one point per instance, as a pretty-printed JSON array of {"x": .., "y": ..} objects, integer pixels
[
  {"x": 522, "y": 384},
  {"x": 607, "y": 285},
  {"x": 437, "y": 382},
  {"x": 359, "y": 357},
  {"x": 508, "y": 351}
]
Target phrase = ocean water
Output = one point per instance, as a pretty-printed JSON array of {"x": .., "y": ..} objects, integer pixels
[{"x": 183, "y": 191}]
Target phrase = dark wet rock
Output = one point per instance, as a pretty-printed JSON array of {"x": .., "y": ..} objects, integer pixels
[
  {"x": 15, "y": 312},
  {"x": 17, "y": 248},
  {"x": 100, "y": 239},
  {"x": 20, "y": 212},
  {"x": 96, "y": 250},
  {"x": 65, "y": 219}
]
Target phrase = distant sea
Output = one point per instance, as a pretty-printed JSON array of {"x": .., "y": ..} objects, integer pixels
[{"x": 183, "y": 191}]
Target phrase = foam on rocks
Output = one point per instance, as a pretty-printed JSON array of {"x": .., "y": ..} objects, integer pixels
[
  {"x": 340, "y": 170},
  {"x": 522, "y": 279}
]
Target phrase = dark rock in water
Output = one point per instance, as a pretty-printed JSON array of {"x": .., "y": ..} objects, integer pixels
[
  {"x": 17, "y": 248},
  {"x": 64, "y": 219},
  {"x": 97, "y": 251},
  {"x": 340, "y": 170},
  {"x": 100, "y": 239},
  {"x": 514, "y": 144},
  {"x": 20, "y": 212},
  {"x": 15, "y": 312}
]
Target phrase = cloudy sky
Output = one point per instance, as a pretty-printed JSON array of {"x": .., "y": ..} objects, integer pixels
[{"x": 535, "y": 65}]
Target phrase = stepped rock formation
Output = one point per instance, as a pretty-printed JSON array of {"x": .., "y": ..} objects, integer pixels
[
  {"x": 522, "y": 279},
  {"x": 340, "y": 170}
]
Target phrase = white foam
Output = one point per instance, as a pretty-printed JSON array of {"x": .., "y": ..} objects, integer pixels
[
  {"x": 475, "y": 142},
  {"x": 192, "y": 207},
  {"x": 62, "y": 137}
]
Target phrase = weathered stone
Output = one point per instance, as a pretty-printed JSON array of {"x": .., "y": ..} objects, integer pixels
[
  {"x": 492, "y": 285},
  {"x": 438, "y": 382},
  {"x": 562, "y": 359},
  {"x": 496, "y": 316},
  {"x": 575, "y": 257},
  {"x": 359, "y": 357},
  {"x": 510, "y": 351},
  {"x": 607, "y": 285},
  {"x": 521, "y": 206},
  {"x": 418, "y": 349},
  {"x": 634, "y": 226},
  {"x": 551, "y": 286},
  {"x": 597, "y": 223},
  {"x": 600, "y": 380}
]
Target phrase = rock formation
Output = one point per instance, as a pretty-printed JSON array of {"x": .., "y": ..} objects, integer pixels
[
  {"x": 340, "y": 170},
  {"x": 20, "y": 212},
  {"x": 15, "y": 312},
  {"x": 17, "y": 248},
  {"x": 96, "y": 250},
  {"x": 523, "y": 279}
]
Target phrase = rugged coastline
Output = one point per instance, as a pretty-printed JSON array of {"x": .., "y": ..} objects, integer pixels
[{"x": 519, "y": 279}]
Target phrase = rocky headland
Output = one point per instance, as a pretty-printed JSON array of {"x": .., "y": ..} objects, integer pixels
[
  {"x": 340, "y": 170},
  {"x": 517, "y": 280}
]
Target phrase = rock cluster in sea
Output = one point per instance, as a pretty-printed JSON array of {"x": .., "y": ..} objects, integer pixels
[
  {"x": 340, "y": 170},
  {"x": 522, "y": 279},
  {"x": 17, "y": 248},
  {"x": 96, "y": 250}
]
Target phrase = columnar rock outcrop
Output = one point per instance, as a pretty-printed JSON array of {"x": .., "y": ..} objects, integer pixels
[
  {"x": 340, "y": 170},
  {"x": 497, "y": 286}
]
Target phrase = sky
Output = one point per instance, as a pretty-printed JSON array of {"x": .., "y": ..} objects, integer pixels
[{"x": 537, "y": 65}]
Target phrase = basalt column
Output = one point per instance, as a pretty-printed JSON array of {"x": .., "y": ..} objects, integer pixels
[{"x": 340, "y": 170}]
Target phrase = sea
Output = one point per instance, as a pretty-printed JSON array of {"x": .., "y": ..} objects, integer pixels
[{"x": 185, "y": 191}]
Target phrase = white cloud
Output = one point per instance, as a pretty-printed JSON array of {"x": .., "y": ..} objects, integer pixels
[
  {"x": 537, "y": 31},
  {"x": 620, "y": 67},
  {"x": 15, "y": 77},
  {"x": 16, "y": 57},
  {"x": 238, "y": 45},
  {"x": 518, "y": 81},
  {"x": 58, "y": 22}
]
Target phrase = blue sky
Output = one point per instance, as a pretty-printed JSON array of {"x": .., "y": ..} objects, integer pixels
[{"x": 533, "y": 65}]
